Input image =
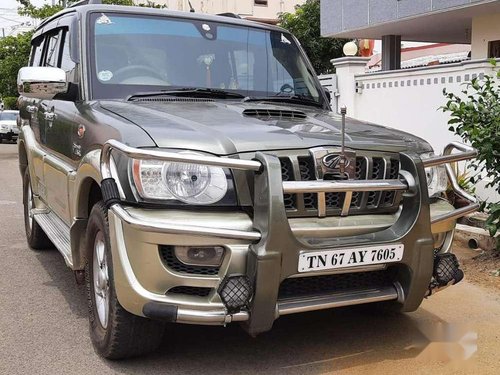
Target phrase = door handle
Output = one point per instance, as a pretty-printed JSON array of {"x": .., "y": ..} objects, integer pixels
[
  {"x": 31, "y": 108},
  {"x": 49, "y": 116}
]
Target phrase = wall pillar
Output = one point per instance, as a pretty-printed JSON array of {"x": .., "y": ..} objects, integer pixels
[
  {"x": 391, "y": 52},
  {"x": 346, "y": 69}
]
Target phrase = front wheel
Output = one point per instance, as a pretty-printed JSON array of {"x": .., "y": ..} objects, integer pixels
[{"x": 115, "y": 332}]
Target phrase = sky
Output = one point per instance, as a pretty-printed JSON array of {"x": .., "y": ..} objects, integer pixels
[{"x": 9, "y": 17}]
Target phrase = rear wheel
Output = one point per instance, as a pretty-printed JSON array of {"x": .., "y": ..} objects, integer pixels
[
  {"x": 115, "y": 332},
  {"x": 36, "y": 237}
]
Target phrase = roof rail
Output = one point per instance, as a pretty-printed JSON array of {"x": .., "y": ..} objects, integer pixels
[
  {"x": 85, "y": 2},
  {"x": 230, "y": 15}
]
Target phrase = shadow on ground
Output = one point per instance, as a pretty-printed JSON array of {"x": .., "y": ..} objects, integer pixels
[{"x": 308, "y": 343}]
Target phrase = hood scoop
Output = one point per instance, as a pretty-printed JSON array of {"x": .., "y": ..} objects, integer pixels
[
  {"x": 173, "y": 99},
  {"x": 274, "y": 114}
]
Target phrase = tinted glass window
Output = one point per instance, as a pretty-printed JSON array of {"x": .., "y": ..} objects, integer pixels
[
  {"x": 36, "y": 52},
  {"x": 144, "y": 53},
  {"x": 66, "y": 63},
  {"x": 8, "y": 116},
  {"x": 52, "y": 50}
]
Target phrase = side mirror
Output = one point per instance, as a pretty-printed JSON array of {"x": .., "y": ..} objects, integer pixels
[
  {"x": 328, "y": 95},
  {"x": 41, "y": 82}
]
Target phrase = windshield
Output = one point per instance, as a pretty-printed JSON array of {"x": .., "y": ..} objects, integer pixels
[
  {"x": 144, "y": 53},
  {"x": 8, "y": 116}
]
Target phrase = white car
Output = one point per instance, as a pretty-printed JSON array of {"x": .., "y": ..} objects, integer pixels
[{"x": 8, "y": 125}]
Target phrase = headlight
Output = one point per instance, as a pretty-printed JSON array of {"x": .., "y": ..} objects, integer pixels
[
  {"x": 5, "y": 127},
  {"x": 437, "y": 180},
  {"x": 185, "y": 182}
]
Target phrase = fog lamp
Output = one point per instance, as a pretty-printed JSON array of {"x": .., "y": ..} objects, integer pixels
[
  {"x": 235, "y": 292},
  {"x": 200, "y": 255}
]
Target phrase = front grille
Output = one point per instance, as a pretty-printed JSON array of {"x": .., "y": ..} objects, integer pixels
[
  {"x": 330, "y": 284},
  {"x": 375, "y": 167},
  {"x": 169, "y": 259},
  {"x": 190, "y": 291},
  {"x": 306, "y": 167},
  {"x": 287, "y": 175}
]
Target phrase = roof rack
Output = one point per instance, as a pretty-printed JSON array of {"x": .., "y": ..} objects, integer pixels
[
  {"x": 230, "y": 15},
  {"x": 85, "y": 2}
]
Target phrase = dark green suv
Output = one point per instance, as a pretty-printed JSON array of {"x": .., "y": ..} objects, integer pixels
[{"x": 189, "y": 169}]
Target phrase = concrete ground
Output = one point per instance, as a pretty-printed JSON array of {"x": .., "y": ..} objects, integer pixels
[{"x": 43, "y": 325}]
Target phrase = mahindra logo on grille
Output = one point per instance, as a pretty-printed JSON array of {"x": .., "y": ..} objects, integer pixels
[{"x": 332, "y": 161}]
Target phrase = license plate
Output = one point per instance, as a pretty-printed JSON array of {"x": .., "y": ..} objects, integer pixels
[{"x": 342, "y": 258}]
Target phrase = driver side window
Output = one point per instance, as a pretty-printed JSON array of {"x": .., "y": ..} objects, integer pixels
[{"x": 52, "y": 49}]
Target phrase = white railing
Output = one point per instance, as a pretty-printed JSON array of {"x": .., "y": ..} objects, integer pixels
[{"x": 409, "y": 99}]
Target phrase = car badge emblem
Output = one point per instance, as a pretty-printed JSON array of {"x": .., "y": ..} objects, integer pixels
[{"x": 335, "y": 161}]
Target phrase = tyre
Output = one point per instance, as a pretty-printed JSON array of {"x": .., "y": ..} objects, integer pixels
[
  {"x": 36, "y": 237},
  {"x": 115, "y": 332}
]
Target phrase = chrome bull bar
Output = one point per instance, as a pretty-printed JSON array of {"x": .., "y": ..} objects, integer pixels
[
  {"x": 465, "y": 153},
  {"x": 289, "y": 187},
  {"x": 220, "y": 315}
]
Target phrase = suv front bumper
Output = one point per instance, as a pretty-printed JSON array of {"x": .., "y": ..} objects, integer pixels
[{"x": 266, "y": 249}]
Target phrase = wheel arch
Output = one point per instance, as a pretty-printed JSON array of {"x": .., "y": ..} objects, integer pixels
[
  {"x": 23, "y": 156},
  {"x": 87, "y": 192}
]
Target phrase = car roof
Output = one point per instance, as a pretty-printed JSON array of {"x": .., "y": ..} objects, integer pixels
[{"x": 84, "y": 9}]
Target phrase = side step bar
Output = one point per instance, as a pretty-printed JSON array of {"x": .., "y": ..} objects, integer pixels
[
  {"x": 58, "y": 233},
  {"x": 349, "y": 298}
]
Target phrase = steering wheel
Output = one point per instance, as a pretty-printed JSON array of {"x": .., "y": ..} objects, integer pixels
[
  {"x": 287, "y": 88},
  {"x": 138, "y": 69}
]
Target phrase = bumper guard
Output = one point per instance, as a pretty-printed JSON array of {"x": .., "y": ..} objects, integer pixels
[{"x": 221, "y": 316}]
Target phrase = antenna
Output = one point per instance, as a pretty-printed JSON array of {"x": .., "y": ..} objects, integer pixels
[
  {"x": 191, "y": 9},
  {"x": 342, "y": 164}
]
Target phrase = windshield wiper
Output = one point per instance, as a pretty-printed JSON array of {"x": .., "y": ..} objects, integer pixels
[
  {"x": 295, "y": 99},
  {"x": 197, "y": 92}
]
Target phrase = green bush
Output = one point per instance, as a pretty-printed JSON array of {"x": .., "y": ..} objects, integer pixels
[
  {"x": 475, "y": 117},
  {"x": 10, "y": 102}
]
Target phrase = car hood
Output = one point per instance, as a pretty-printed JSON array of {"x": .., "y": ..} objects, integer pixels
[{"x": 231, "y": 127}]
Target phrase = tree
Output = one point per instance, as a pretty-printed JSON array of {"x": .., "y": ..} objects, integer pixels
[
  {"x": 14, "y": 54},
  {"x": 28, "y": 9},
  {"x": 15, "y": 50},
  {"x": 305, "y": 25}
]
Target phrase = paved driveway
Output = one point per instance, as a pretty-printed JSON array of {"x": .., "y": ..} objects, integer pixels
[{"x": 43, "y": 325}]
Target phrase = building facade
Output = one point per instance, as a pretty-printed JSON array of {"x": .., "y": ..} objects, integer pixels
[
  {"x": 475, "y": 22},
  {"x": 409, "y": 99},
  {"x": 259, "y": 10}
]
